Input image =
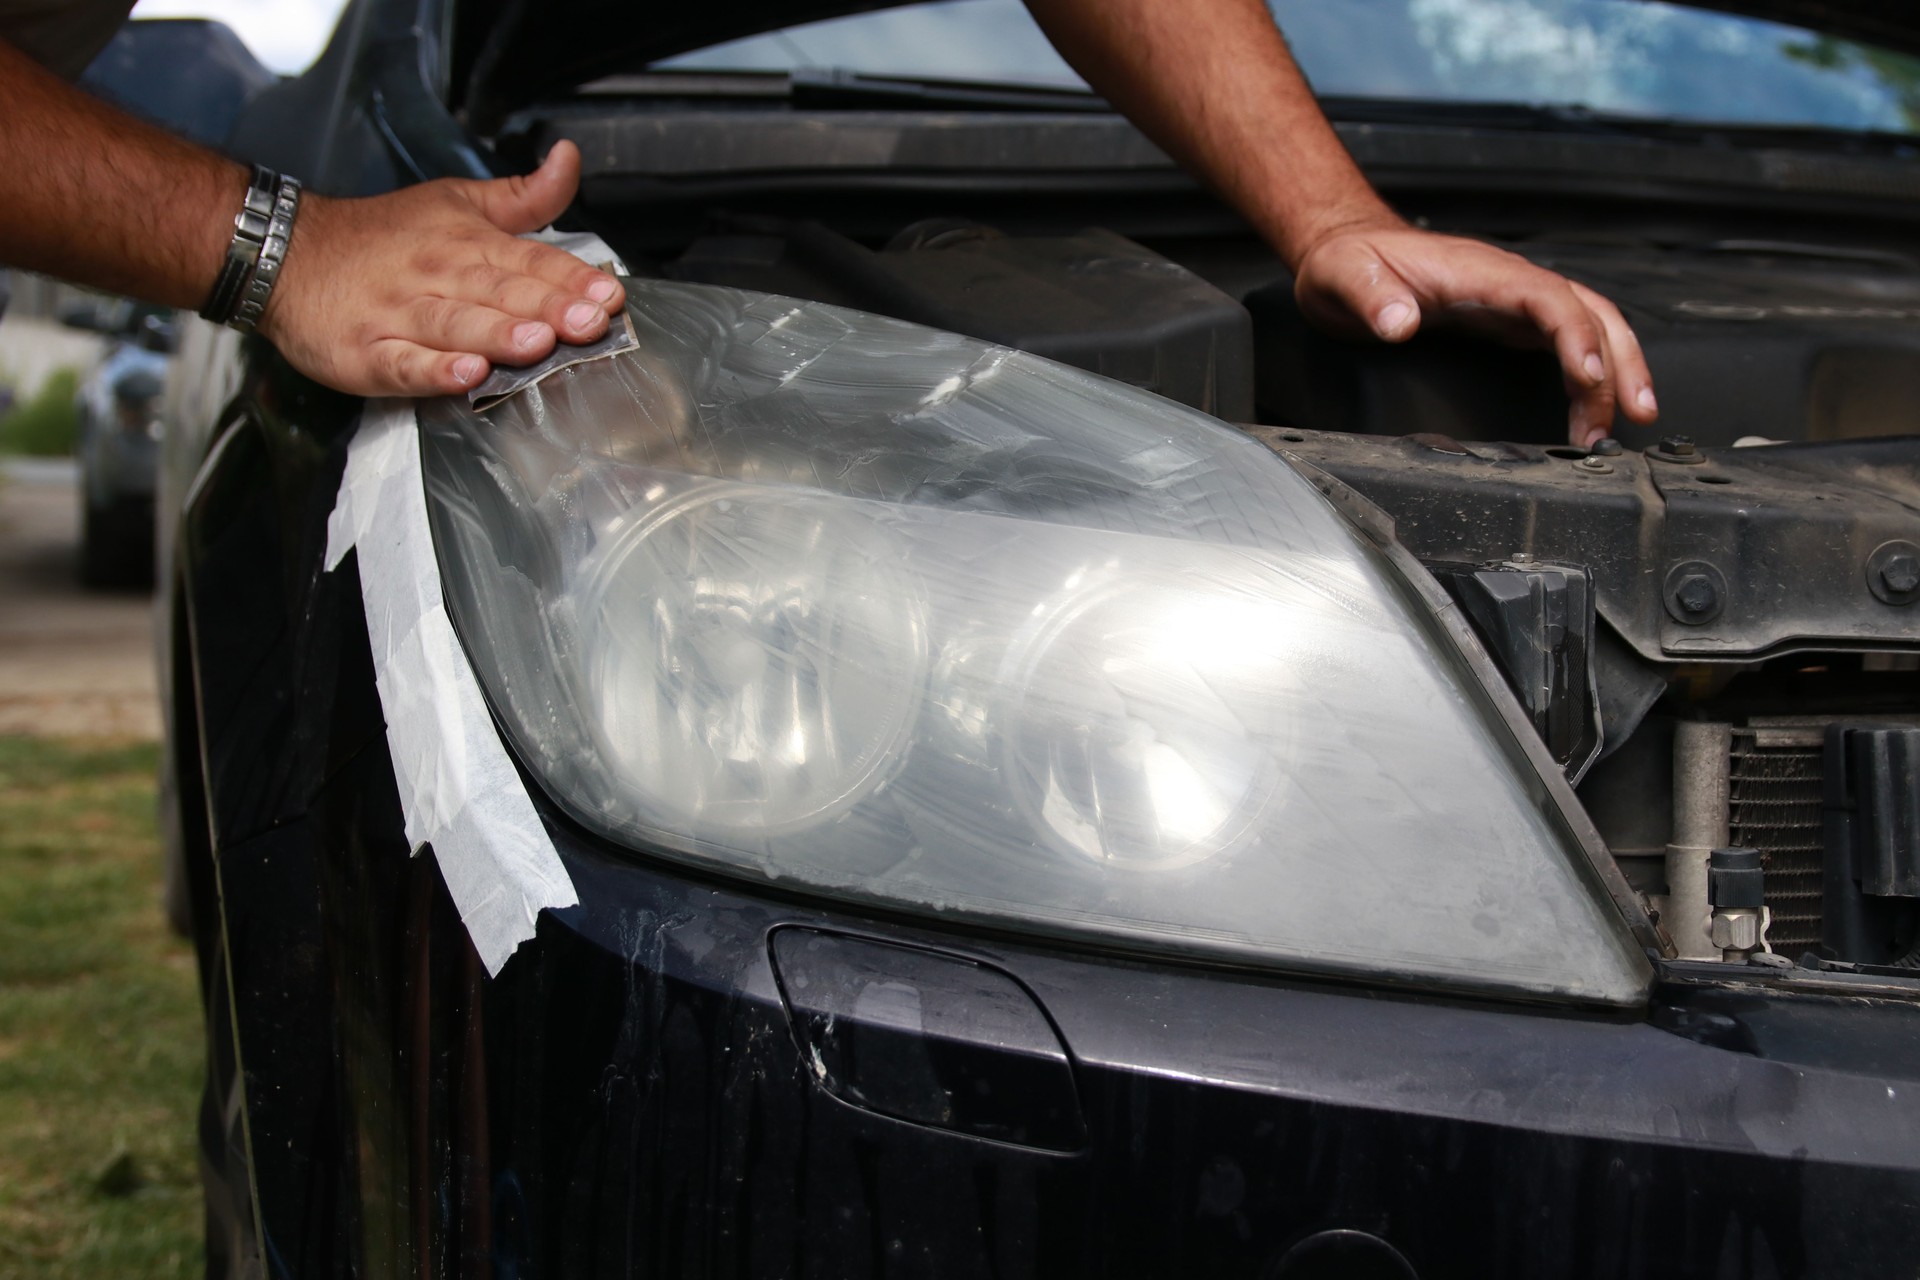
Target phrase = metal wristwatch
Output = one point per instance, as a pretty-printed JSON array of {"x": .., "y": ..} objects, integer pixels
[{"x": 261, "y": 232}]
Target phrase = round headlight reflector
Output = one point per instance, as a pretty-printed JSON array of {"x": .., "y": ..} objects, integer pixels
[{"x": 753, "y": 664}]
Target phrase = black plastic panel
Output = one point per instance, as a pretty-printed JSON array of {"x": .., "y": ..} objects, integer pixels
[
  {"x": 1092, "y": 299},
  {"x": 1784, "y": 535},
  {"x": 1782, "y": 340}
]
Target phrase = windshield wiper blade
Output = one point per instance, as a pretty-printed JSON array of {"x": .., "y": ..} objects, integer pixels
[
  {"x": 1572, "y": 119},
  {"x": 831, "y": 88},
  {"x": 1486, "y": 115}
]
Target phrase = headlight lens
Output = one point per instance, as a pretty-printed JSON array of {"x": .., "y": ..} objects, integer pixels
[
  {"x": 892, "y": 614},
  {"x": 755, "y": 665},
  {"x": 1143, "y": 721}
]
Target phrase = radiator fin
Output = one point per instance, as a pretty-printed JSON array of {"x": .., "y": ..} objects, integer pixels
[{"x": 1776, "y": 808}]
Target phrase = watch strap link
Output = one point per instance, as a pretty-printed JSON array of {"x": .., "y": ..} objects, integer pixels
[
  {"x": 273, "y": 254},
  {"x": 261, "y": 232}
]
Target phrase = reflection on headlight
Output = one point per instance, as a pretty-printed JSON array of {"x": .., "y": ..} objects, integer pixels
[
  {"x": 1148, "y": 719},
  {"x": 752, "y": 664}
]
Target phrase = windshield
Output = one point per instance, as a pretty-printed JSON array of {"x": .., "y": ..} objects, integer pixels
[{"x": 1618, "y": 56}]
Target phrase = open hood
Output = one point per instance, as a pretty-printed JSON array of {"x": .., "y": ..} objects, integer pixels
[{"x": 512, "y": 51}]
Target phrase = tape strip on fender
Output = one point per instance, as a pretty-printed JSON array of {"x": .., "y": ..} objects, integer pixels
[{"x": 459, "y": 791}]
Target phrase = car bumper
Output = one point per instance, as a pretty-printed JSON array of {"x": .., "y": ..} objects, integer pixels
[{"x": 679, "y": 1077}]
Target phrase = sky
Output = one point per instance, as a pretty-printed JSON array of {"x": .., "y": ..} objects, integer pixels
[{"x": 285, "y": 34}]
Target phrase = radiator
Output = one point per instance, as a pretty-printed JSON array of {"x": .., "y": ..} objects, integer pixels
[{"x": 1774, "y": 786}]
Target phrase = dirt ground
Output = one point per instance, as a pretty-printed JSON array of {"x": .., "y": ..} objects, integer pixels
[{"x": 73, "y": 662}]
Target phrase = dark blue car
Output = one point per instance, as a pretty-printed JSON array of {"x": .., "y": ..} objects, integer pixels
[{"x": 970, "y": 741}]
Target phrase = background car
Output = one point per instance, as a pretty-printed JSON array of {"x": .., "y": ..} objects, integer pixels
[
  {"x": 962, "y": 808},
  {"x": 117, "y": 439}
]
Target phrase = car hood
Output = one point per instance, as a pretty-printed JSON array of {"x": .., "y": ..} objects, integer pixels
[{"x": 520, "y": 49}]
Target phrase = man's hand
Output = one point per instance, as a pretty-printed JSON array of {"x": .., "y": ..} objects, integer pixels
[
  {"x": 1212, "y": 82},
  {"x": 421, "y": 291},
  {"x": 412, "y": 293},
  {"x": 1387, "y": 279}
]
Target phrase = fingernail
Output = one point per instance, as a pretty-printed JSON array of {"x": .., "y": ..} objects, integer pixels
[
  {"x": 1646, "y": 401},
  {"x": 528, "y": 334},
  {"x": 1393, "y": 317},
  {"x": 1595, "y": 370},
  {"x": 467, "y": 369},
  {"x": 581, "y": 315},
  {"x": 602, "y": 291}
]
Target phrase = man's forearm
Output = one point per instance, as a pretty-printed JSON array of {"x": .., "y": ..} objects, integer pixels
[
  {"x": 1215, "y": 85},
  {"x": 90, "y": 194}
]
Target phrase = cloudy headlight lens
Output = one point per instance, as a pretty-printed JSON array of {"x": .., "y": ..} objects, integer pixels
[
  {"x": 1143, "y": 726},
  {"x": 754, "y": 666},
  {"x": 904, "y": 618}
]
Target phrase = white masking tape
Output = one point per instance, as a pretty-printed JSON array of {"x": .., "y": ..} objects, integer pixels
[{"x": 459, "y": 791}]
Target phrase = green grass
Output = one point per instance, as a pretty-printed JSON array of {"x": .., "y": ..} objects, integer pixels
[
  {"x": 100, "y": 1039},
  {"x": 44, "y": 425}
]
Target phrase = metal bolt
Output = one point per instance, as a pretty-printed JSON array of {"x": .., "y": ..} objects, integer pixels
[
  {"x": 1608, "y": 447},
  {"x": 1893, "y": 572},
  {"x": 1696, "y": 593},
  {"x": 1596, "y": 464},
  {"x": 1900, "y": 574},
  {"x": 1678, "y": 446},
  {"x": 1520, "y": 557}
]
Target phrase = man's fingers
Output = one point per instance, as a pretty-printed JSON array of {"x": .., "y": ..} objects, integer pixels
[
  {"x": 1581, "y": 340},
  {"x": 1589, "y": 411},
  {"x": 446, "y": 324},
  {"x": 396, "y": 367},
  {"x": 1633, "y": 381},
  {"x": 567, "y": 312},
  {"x": 1573, "y": 331},
  {"x": 528, "y": 202},
  {"x": 1627, "y": 385},
  {"x": 561, "y": 270}
]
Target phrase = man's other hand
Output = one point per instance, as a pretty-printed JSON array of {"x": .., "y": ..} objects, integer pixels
[
  {"x": 1389, "y": 279},
  {"x": 421, "y": 291}
]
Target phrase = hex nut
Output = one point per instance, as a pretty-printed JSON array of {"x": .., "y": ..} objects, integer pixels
[
  {"x": 1677, "y": 449},
  {"x": 1893, "y": 572},
  {"x": 1735, "y": 930},
  {"x": 1695, "y": 593},
  {"x": 1900, "y": 574}
]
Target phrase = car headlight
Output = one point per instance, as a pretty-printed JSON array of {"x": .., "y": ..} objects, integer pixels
[{"x": 900, "y": 617}]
